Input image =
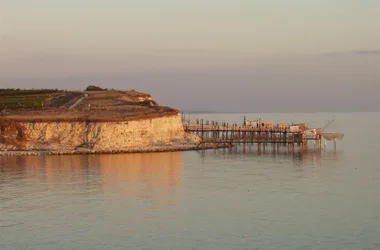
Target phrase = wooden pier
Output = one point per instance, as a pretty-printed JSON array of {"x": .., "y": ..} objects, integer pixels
[{"x": 216, "y": 135}]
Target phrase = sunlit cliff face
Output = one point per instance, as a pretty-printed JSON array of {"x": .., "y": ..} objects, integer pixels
[{"x": 166, "y": 130}]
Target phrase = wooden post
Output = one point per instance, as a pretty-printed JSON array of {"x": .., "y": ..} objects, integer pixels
[
  {"x": 202, "y": 133},
  {"x": 293, "y": 144},
  {"x": 244, "y": 136},
  {"x": 259, "y": 140}
]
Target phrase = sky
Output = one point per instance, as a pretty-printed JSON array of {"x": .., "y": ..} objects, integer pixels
[{"x": 226, "y": 56}]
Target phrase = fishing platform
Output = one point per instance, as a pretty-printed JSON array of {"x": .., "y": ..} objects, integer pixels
[{"x": 214, "y": 134}]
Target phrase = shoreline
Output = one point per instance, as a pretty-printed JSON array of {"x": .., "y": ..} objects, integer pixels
[{"x": 134, "y": 150}]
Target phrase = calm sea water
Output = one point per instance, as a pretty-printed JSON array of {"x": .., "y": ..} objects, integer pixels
[{"x": 220, "y": 200}]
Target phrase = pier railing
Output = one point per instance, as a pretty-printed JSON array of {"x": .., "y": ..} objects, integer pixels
[{"x": 230, "y": 135}]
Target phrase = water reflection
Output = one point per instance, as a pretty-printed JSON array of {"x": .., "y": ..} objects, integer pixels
[
  {"x": 49, "y": 173},
  {"x": 82, "y": 198},
  {"x": 318, "y": 158},
  {"x": 152, "y": 177},
  {"x": 296, "y": 157},
  {"x": 156, "y": 169}
]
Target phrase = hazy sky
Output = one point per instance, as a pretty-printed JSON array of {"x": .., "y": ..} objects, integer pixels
[{"x": 220, "y": 55}]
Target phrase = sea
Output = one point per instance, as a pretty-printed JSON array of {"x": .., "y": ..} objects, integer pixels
[{"x": 218, "y": 199}]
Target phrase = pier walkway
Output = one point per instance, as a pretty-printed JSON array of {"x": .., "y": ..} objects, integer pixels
[{"x": 215, "y": 135}]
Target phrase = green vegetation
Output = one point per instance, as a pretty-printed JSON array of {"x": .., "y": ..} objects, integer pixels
[
  {"x": 22, "y": 92},
  {"x": 34, "y": 98},
  {"x": 94, "y": 88},
  {"x": 12, "y": 102}
]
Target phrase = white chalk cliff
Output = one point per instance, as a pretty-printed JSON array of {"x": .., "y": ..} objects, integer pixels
[{"x": 160, "y": 131}]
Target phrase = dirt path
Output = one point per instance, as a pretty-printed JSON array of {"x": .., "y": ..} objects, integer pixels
[{"x": 77, "y": 102}]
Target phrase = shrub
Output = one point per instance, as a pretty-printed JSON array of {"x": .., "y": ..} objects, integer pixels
[{"x": 94, "y": 88}]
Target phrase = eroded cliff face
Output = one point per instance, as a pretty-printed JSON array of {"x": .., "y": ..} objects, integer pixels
[{"x": 100, "y": 135}]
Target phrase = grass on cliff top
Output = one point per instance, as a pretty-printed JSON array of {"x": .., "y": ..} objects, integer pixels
[
  {"x": 109, "y": 105},
  {"x": 12, "y": 102},
  {"x": 23, "y": 92},
  {"x": 36, "y": 101}
]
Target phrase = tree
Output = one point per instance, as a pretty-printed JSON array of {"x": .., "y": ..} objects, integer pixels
[{"x": 94, "y": 88}]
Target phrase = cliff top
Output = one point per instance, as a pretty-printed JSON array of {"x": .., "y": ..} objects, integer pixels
[{"x": 93, "y": 104}]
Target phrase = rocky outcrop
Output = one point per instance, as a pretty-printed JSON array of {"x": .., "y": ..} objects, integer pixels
[{"x": 97, "y": 135}]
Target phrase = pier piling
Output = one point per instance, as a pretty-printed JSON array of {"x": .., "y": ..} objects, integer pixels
[{"x": 216, "y": 135}]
